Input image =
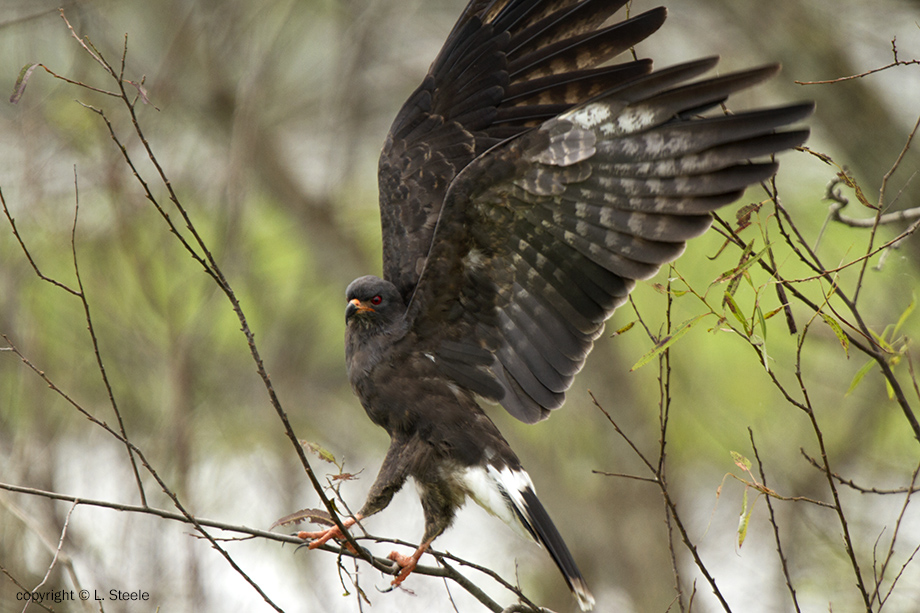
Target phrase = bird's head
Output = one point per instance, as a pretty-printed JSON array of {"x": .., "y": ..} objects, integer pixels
[{"x": 373, "y": 302}]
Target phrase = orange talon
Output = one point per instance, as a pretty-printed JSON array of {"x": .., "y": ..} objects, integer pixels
[
  {"x": 407, "y": 563},
  {"x": 321, "y": 537}
]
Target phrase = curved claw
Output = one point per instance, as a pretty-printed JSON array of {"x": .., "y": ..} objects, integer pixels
[
  {"x": 407, "y": 563},
  {"x": 321, "y": 537}
]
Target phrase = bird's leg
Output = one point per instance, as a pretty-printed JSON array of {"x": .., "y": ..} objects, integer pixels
[
  {"x": 439, "y": 502},
  {"x": 320, "y": 537},
  {"x": 389, "y": 480},
  {"x": 407, "y": 563}
]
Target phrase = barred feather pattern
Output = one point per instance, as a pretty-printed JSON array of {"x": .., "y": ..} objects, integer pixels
[
  {"x": 566, "y": 218},
  {"x": 507, "y": 66}
]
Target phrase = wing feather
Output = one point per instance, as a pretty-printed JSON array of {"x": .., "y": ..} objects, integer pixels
[
  {"x": 526, "y": 185},
  {"x": 575, "y": 211},
  {"x": 471, "y": 100}
]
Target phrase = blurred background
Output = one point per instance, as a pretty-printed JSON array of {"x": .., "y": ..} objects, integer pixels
[{"x": 268, "y": 118}]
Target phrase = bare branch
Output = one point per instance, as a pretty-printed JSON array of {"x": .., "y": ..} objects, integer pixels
[
  {"x": 25, "y": 250},
  {"x": 894, "y": 537},
  {"x": 776, "y": 537},
  {"x": 23, "y": 588},
  {"x": 92, "y": 334},
  {"x": 57, "y": 552},
  {"x": 897, "y": 62},
  {"x": 859, "y": 488},
  {"x": 819, "y": 436}
]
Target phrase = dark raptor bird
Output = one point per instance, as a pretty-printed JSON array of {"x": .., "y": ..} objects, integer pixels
[{"x": 524, "y": 187}]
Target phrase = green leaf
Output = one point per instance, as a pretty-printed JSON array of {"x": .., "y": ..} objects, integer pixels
[
  {"x": 905, "y": 315},
  {"x": 880, "y": 339},
  {"x": 762, "y": 321},
  {"x": 773, "y": 312},
  {"x": 841, "y": 336},
  {"x": 741, "y": 268},
  {"x": 859, "y": 376},
  {"x": 741, "y": 461},
  {"x": 321, "y": 452},
  {"x": 744, "y": 519},
  {"x": 729, "y": 301},
  {"x": 624, "y": 329},
  {"x": 667, "y": 341}
]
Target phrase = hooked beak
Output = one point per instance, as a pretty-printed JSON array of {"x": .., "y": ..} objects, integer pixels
[{"x": 355, "y": 306}]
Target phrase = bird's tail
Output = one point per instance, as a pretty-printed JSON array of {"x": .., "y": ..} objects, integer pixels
[
  {"x": 536, "y": 520},
  {"x": 520, "y": 508}
]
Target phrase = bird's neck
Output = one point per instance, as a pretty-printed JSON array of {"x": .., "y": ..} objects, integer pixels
[{"x": 367, "y": 346}]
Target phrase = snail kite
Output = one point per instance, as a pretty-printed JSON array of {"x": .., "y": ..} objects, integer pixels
[{"x": 524, "y": 187}]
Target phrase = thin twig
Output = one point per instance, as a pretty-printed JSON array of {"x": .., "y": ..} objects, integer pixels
[
  {"x": 880, "y": 206},
  {"x": 897, "y": 62},
  {"x": 613, "y": 423},
  {"x": 165, "y": 488},
  {"x": 894, "y": 538},
  {"x": 859, "y": 488},
  {"x": 776, "y": 537},
  {"x": 625, "y": 476},
  {"x": 664, "y": 409},
  {"x": 672, "y": 510},
  {"x": 23, "y": 589},
  {"x": 819, "y": 436},
  {"x": 28, "y": 254},
  {"x": 92, "y": 334},
  {"x": 54, "y": 558},
  {"x": 382, "y": 564}
]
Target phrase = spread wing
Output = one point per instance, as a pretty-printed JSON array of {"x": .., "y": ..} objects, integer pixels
[
  {"x": 507, "y": 66},
  {"x": 524, "y": 188},
  {"x": 543, "y": 236}
]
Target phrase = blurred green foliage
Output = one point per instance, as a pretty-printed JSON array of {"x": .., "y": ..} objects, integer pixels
[{"x": 267, "y": 119}]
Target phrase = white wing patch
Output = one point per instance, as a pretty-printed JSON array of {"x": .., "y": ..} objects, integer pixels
[
  {"x": 499, "y": 492},
  {"x": 590, "y": 116}
]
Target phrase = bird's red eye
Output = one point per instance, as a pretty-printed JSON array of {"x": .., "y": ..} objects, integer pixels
[{"x": 376, "y": 300}]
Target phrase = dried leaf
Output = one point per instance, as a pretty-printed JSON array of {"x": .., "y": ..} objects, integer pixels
[
  {"x": 141, "y": 90},
  {"x": 663, "y": 289},
  {"x": 21, "y": 81},
  {"x": 849, "y": 181},
  {"x": 316, "y": 516},
  {"x": 743, "y": 216},
  {"x": 345, "y": 476},
  {"x": 773, "y": 312}
]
